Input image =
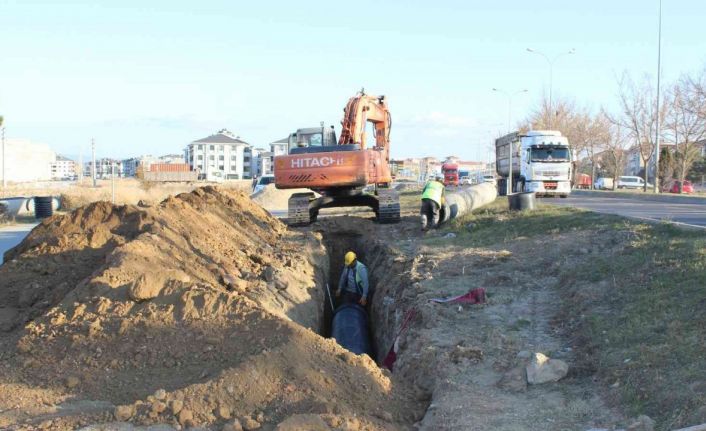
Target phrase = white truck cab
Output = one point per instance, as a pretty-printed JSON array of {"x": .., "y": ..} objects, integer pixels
[{"x": 541, "y": 163}]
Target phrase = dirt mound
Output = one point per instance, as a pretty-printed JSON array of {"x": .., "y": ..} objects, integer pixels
[
  {"x": 273, "y": 199},
  {"x": 199, "y": 311}
]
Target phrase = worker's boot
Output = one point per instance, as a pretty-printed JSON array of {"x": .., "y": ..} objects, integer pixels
[{"x": 423, "y": 217}]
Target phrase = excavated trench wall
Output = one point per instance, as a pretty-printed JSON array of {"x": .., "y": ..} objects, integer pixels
[{"x": 388, "y": 279}]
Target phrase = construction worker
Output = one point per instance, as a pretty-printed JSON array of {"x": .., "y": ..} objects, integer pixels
[
  {"x": 432, "y": 200},
  {"x": 353, "y": 285}
]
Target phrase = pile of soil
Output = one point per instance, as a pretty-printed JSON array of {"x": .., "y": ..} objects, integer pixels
[
  {"x": 273, "y": 199},
  {"x": 200, "y": 311}
]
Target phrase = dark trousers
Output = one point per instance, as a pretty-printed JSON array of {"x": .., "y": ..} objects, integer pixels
[
  {"x": 429, "y": 213},
  {"x": 348, "y": 298}
]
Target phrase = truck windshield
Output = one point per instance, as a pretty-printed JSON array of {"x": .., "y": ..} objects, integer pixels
[{"x": 550, "y": 154}]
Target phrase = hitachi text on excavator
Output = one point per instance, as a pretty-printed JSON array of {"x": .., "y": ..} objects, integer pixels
[{"x": 341, "y": 171}]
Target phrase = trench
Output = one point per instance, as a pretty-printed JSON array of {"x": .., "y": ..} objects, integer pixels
[{"x": 374, "y": 255}]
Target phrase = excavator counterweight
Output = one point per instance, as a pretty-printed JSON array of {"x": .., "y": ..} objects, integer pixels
[{"x": 340, "y": 171}]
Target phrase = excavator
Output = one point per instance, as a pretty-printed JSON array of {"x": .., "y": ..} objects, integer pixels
[{"x": 345, "y": 174}]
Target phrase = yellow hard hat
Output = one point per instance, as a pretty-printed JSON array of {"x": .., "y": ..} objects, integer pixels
[{"x": 349, "y": 258}]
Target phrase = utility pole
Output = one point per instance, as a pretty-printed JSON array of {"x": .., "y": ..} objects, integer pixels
[
  {"x": 112, "y": 181},
  {"x": 551, "y": 77},
  {"x": 658, "y": 110},
  {"x": 4, "y": 162},
  {"x": 93, "y": 163}
]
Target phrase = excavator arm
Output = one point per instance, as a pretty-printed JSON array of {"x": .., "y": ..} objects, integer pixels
[{"x": 358, "y": 111}]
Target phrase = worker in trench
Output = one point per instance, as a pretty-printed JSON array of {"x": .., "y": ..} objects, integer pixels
[
  {"x": 432, "y": 200},
  {"x": 353, "y": 286}
]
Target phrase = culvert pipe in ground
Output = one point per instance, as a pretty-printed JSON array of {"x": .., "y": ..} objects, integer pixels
[
  {"x": 465, "y": 200},
  {"x": 350, "y": 329}
]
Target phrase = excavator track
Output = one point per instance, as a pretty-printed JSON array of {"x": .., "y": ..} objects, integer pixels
[
  {"x": 388, "y": 206},
  {"x": 298, "y": 213}
]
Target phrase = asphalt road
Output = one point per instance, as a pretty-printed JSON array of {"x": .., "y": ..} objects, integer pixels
[
  {"x": 691, "y": 214},
  {"x": 12, "y": 235}
]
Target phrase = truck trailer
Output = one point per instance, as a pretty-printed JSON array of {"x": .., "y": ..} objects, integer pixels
[{"x": 540, "y": 160}]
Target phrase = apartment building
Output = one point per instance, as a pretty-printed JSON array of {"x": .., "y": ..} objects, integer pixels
[
  {"x": 63, "y": 168},
  {"x": 221, "y": 155}
]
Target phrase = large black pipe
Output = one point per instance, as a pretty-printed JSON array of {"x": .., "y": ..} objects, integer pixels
[{"x": 350, "y": 329}]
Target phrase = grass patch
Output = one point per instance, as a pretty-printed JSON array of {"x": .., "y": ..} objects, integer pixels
[
  {"x": 494, "y": 224},
  {"x": 643, "y": 325}
]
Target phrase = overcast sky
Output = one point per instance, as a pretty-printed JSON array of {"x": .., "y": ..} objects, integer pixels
[{"x": 149, "y": 77}]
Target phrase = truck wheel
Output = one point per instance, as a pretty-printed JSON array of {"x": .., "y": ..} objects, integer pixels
[{"x": 564, "y": 196}]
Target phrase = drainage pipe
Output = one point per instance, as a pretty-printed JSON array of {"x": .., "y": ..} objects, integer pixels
[
  {"x": 350, "y": 329},
  {"x": 464, "y": 200}
]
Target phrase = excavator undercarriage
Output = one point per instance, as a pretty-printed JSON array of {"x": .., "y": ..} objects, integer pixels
[{"x": 304, "y": 207}]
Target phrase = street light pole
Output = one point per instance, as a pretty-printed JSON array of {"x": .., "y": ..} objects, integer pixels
[
  {"x": 658, "y": 110},
  {"x": 551, "y": 76},
  {"x": 509, "y": 104}
]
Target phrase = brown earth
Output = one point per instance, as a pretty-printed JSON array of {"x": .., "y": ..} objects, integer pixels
[{"x": 201, "y": 310}]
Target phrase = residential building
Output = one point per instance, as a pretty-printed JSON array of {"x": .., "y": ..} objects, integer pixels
[
  {"x": 429, "y": 167},
  {"x": 171, "y": 158},
  {"x": 265, "y": 163},
  {"x": 63, "y": 168},
  {"x": 106, "y": 168},
  {"x": 27, "y": 161},
  {"x": 221, "y": 155},
  {"x": 279, "y": 148},
  {"x": 635, "y": 164}
]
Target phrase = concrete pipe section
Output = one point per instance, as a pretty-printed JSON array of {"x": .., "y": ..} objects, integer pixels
[{"x": 465, "y": 200}]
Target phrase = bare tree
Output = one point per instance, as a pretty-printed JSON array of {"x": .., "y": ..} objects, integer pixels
[
  {"x": 639, "y": 116},
  {"x": 614, "y": 157},
  {"x": 686, "y": 123},
  {"x": 572, "y": 122}
]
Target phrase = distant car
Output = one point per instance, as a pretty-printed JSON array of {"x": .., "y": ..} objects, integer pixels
[
  {"x": 603, "y": 184},
  {"x": 465, "y": 181},
  {"x": 630, "y": 182},
  {"x": 263, "y": 181},
  {"x": 489, "y": 179},
  {"x": 686, "y": 188}
]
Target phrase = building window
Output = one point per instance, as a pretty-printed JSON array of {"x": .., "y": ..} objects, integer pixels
[
  {"x": 246, "y": 159},
  {"x": 221, "y": 167},
  {"x": 200, "y": 147},
  {"x": 211, "y": 157},
  {"x": 200, "y": 157},
  {"x": 233, "y": 168},
  {"x": 199, "y": 166},
  {"x": 233, "y": 158},
  {"x": 211, "y": 147},
  {"x": 220, "y": 157},
  {"x": 220, "y": 148}
]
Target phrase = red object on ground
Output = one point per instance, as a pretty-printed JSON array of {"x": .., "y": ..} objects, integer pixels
[
  {"x": 475, "y": 296},
  {"x": 391, "y": 357}
]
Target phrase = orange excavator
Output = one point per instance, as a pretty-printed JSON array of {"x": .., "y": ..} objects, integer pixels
[{"x": 340, "y": 172}]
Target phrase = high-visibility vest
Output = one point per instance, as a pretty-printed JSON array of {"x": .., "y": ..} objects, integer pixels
[
  {"x": 433, "y": 190},
  {"x": 356, "y": 273}
]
